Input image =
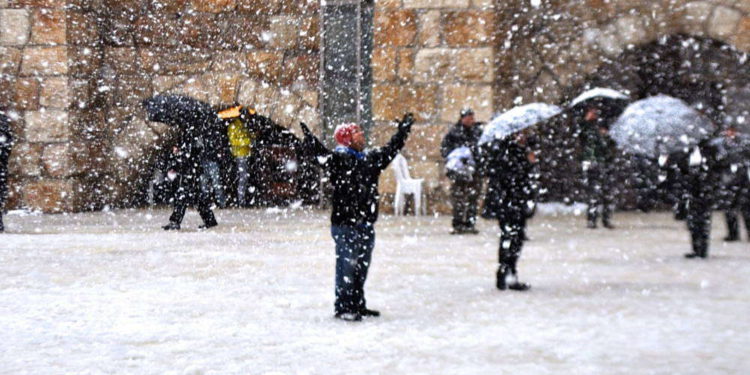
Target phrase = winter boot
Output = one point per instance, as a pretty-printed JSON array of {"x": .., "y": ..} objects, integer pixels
[
  {"x": 516, "y": 285},
  {"x": 365, "y": 312},
  {"x": 208, "y": 225},
  {"x": 500, "y": 282},
  {"x": 171, "y": 226},
  {"x": 349, "y": 316}
]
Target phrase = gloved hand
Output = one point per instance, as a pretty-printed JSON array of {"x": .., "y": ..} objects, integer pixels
[
  {"x": 406, "y": 122},
  {"x": 305, "y": 130}
]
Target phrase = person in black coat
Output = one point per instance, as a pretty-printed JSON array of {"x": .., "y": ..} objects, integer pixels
[
  {"x": 597, "y": 164},
  {"x": 509, "y": 166},
  {"x": 698, "y": 173},
  {"x": 733, "y": 164},
  {"x": 186, "y": 168},
  {"x": 354, "y": 174},
  {"x": 464, "y": 189},
  {"x": 6, "y": 143}
]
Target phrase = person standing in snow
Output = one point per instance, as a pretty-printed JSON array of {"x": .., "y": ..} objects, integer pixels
[
  {"x": 509, "y": 166},
  {"x": 733, "y": 162},
  {"x": 241, "y": 141},
  {"x": 697, "y": 170},
  {"x": 354, "y": 174},
  {"x": 465, "y": 189},
  {"x": 6, "y": 143},
  {"x": 597, "y": 161}
]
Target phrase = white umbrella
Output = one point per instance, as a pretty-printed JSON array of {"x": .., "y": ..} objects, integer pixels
[
  {"x": 517, "y": 119},
  {"x": 598, "y": 92},
  {"x": 461, "y": 161},
  {"x": 658, "y": 125}
]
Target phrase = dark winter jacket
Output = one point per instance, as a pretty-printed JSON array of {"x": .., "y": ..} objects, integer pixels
[
  {"x": 597, "y": 148},
  {"x": 459, "y": 136},
  {"x": 698, "y": 177},
  {"x": 510, "y": 188},
  {"x": 733, "y": 170},
  {"x": 6, "y": 143},
  {"x": 215, "y": 142},
  {"x": 355, "y": 176}
]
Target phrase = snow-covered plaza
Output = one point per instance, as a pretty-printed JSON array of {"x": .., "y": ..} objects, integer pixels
[{"x": 112, "y": 293}]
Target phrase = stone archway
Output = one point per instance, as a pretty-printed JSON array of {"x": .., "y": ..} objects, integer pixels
[
  {"x": 695, "y": 50},
  {"x": 546, "y": 53}
]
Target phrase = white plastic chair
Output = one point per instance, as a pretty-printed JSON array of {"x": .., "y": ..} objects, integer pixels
[{"x": 406, "y": 185}]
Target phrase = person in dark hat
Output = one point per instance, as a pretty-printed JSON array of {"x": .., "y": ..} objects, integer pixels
[
  {"x": 354, "y": 174},
  {"x": 6, "y": 143},
  {"x": 465, "y": 187}
]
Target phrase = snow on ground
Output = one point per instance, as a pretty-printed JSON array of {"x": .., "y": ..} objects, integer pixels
[{"x": 111, "y": 293}]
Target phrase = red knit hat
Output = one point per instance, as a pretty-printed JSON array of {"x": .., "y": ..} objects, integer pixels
[{"x": 344, "y": 133}]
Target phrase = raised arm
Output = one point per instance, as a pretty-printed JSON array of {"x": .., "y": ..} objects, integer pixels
[
  {"x": 311, "y": 145},
  {"x": 384, "y": 155}
]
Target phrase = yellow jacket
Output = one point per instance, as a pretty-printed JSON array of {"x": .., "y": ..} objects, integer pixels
[{"x": 240, "y": 139}]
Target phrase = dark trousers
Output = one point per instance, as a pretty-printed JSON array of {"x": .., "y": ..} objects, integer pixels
[
  {"x": 699, "y": 225},
  {"x": 464, "y": 197},
  {"x": 188, "y": 193},
  {"x": 354, "y": 246},
  {"x": 512, "y": 233},
  {"x": 597, "y": 180},
  {"x": 733, "y": 222},
  {"x": 3, "y": 192}
]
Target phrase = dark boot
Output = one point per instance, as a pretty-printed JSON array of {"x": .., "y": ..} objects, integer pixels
[
  {"x": 500, "y": 282},
  {"x": 733, "y": 227},
  {"x": 171, "y": 226},
  {"x": 369, "y": 313},
  {"x": 349, "y": 316},
  {"x": 516, "y": 285},
  {"x": 2, "y": 227}
]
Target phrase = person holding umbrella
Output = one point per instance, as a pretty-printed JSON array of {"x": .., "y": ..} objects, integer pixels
[
  {"x": 354, "y": 174},
  {"x": 599, "y": 106},
  {"x": 465, "y": 188},
  {"x": 508, "y": 161},
  {"x": 6, "y": 143},
  {"x": 509, "y": 168},
  {"x": 667, "y": 128},
  {"x": 192, "y": 118},
  {"x": 597, "y": 162}
]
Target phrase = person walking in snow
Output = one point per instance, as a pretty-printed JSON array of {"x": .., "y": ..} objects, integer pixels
[
  {"x": 465, "y": 188},
  {"x": 509, "y": 166},
  {"x": 6, "y": 143},
  {"x": 354, "y": 174},
  {"x": 186, "y": 170}
]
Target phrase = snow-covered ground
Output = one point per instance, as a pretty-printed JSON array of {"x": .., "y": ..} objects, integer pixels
[{"x": 111, "y": 293}]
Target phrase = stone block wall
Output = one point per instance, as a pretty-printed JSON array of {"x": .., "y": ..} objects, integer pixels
[
  {"x": 72, "y": 75},
  {"x": 72, "y": 72},
  {"x": 34, "y": 76},
  {"x": 432, "y": 58}
]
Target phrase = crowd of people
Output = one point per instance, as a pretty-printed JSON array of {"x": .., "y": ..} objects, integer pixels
[{"x": 713, "y": 174}]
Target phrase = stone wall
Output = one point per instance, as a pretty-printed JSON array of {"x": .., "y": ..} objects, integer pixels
[
  {"x": 34, "y": 86},
  {"x": 432, "y": 58},
  {"x": 73, "y": 72}
]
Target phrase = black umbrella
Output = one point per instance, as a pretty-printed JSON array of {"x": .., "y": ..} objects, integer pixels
[
  {"x": 180, "y": 111},
  {"x": 610, "y": 101}
]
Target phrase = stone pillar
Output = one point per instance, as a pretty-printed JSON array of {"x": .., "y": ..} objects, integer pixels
[{"x": 346, "y": 75}]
